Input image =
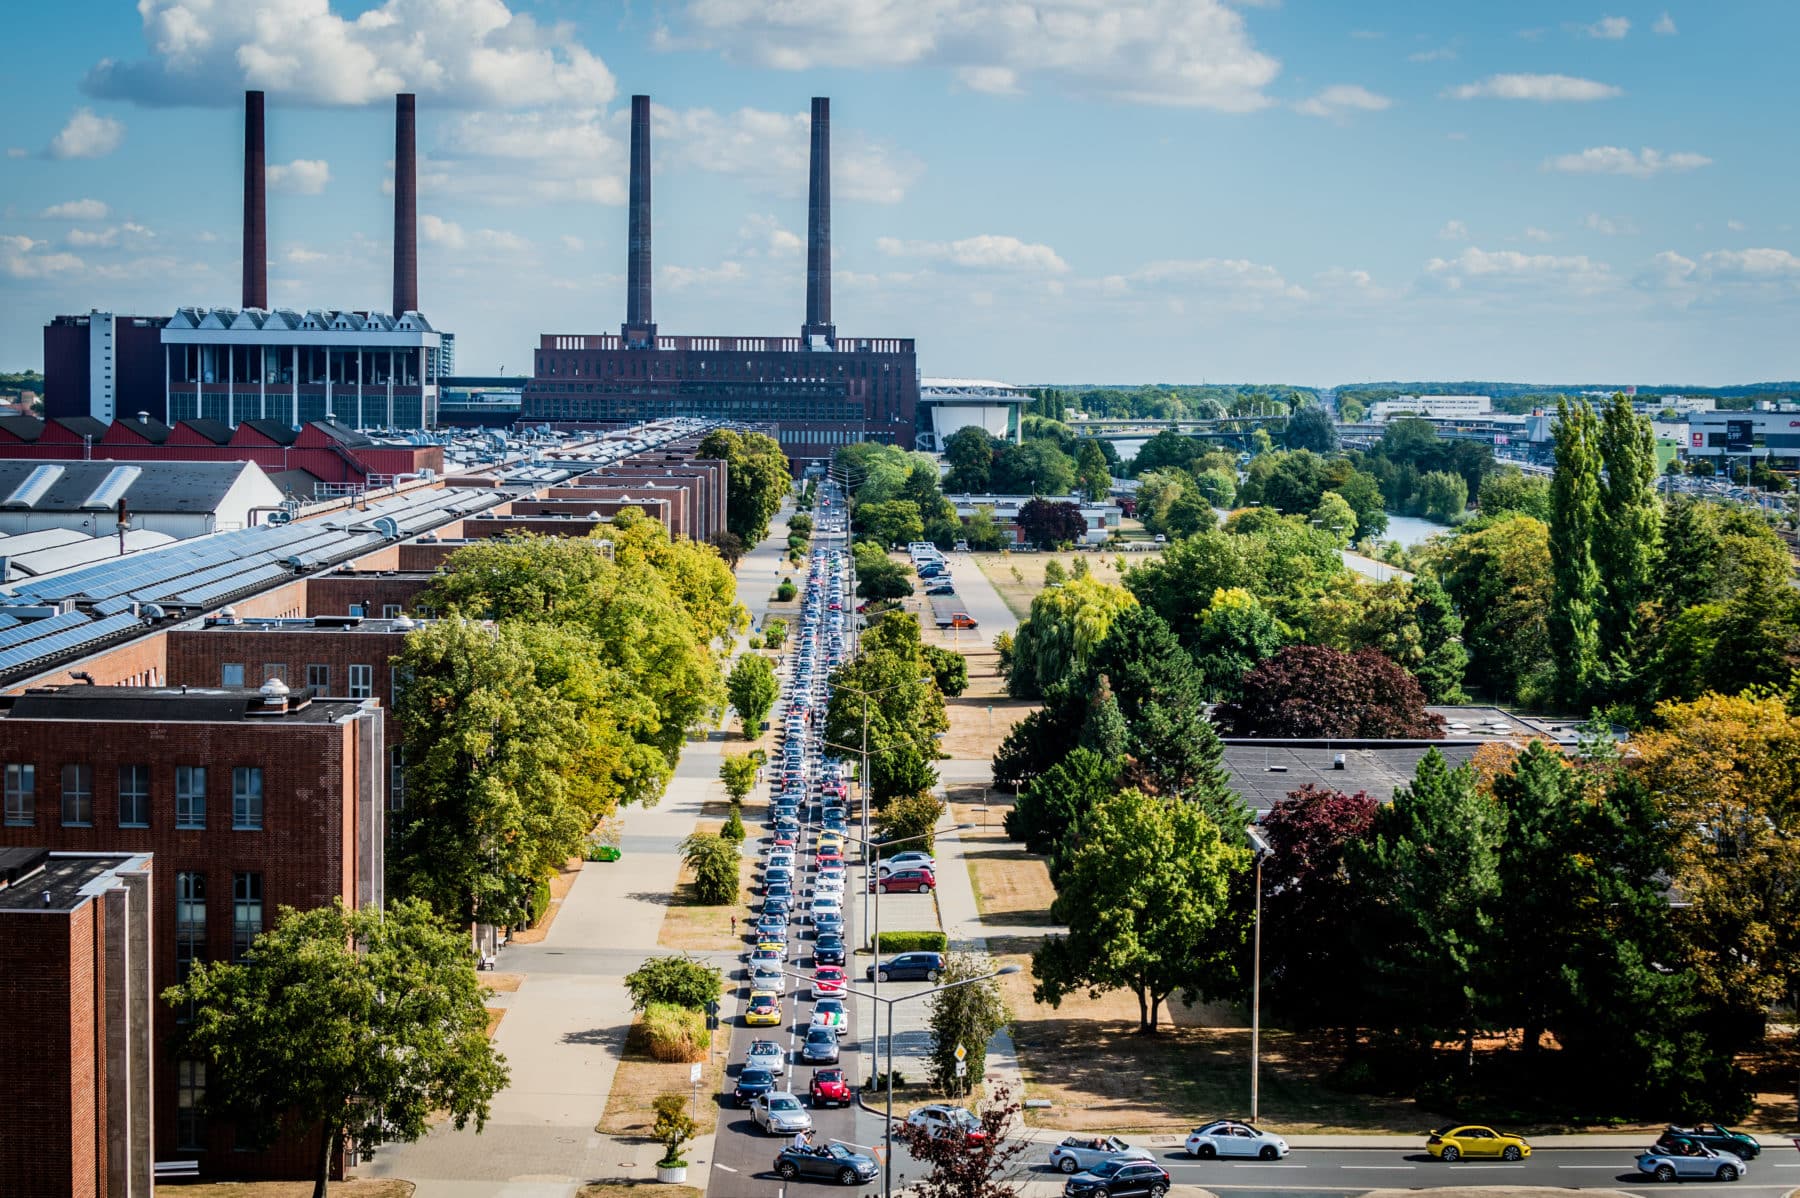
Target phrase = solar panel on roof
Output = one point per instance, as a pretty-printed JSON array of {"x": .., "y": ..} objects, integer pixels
[
  {"x": 33, "y": 629},
  {"x": 62, "y": 642}
]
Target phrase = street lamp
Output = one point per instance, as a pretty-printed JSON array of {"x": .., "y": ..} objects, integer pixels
[
  {"x": 887, "y": 1182},
  {"x": 1260, "y": 848}
]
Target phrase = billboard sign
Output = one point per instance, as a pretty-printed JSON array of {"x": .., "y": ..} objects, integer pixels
[{"x": 1740, "y": 436}]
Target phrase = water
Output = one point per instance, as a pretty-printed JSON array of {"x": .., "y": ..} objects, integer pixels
[{"x": 1412, "y": 530}]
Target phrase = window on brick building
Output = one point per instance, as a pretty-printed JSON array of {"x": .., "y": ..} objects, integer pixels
[
  {"x": 190, "y": 1091},
  {"x": 246, "y": 913},
  {"x": 190, "y": 927},
  {"x": 247, "y": 798},
  {"x": 390, "y": 611},
  {"x": 318, "y": 679},
  {"x": 396, "y": 779},
  {"x": 77, "y": 795},
  {"x": 21, "y": 796},
  {"x": 275, "y": 669},
  {"x": 231, "y": 673},
  {"x": 399, "y": 677},
  {"x": 190, "y": 796},
  {"x": 362, "y": 682},
  {"x": 134, "y": 796}
]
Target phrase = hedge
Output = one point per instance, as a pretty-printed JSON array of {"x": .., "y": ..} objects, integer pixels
[
  {"x": 540, "y": 901},
  {"x": 912, "y": 942},
  {"x": 673, "y": 1033}
]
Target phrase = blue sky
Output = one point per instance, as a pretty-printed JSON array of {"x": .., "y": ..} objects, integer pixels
[{"x": 1309, "y": 191}]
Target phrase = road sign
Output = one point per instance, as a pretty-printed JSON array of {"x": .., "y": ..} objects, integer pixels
[
  {"x": 962, "y": 1068},
  {"x": 694, "y": 1073},
  {"x": 961, "y": 1052}
]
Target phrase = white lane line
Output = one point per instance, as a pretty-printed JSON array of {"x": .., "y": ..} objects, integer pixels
[
  {"x": 1268, "y": 1166},
  {"x": 1466, "y": 1168},
  {"x": 1588, "y": 1167},
  {"x": 1375, "y": 1167},
  {"x": 727, "y": 1168}
]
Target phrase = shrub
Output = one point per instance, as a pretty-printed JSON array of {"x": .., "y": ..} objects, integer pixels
[
  {"x": 786, "y": 591},
  {"x": 734, "y": 827},
  {"x": 714, "y": 861},
  {"x": 754, "y": 642},
  {"x": 909, "y": 822},
  {"x": 912, "y": 942},
  {"x": 801, "y": 523},
  {"x": 796, "y": 542},
  {"x": 673, "y": 981},
  {"x": 540, "y": 901},
  {"x": 738, "y": 773},
  {"x": 775, "y": 631},
  {"x": 672, "y": 1129},
  {"x": 675, "y": 1034}
]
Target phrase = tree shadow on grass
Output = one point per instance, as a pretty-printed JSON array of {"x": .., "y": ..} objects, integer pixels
[{"x": 605, "y": 1037}]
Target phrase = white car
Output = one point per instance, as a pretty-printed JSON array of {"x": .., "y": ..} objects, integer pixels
[
  {"x": 1076, "y": 1153},
  {"x": 1228, "y": 1137},
  {"x": 780, "y": 858},
  {"x": 780, "y": 1114},
  {"x": 912, "y": 860},
  {"x": 767, "y": 975},
  {"x": 942, "y": 1119},
  {"x": 766, "y": 1054},
  {"x": 829, "y": 884},
  {"x": 822, "y": 903}
]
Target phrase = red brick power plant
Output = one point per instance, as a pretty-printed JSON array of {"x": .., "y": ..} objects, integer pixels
[{"x": 820, "y": 390}]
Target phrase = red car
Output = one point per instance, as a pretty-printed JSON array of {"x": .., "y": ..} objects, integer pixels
[
  {"x": 784, "y": 842},
  {"x": 829, "y": 1088},
  {"x": 827, "y": 979},
  {"x": 905, "y": 881},
  {"x": 825, "y": 859}
]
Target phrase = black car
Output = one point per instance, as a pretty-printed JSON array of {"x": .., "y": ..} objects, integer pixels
[
  {"x": 1116, "y": 1179},
  {"x": 829, "y": 950},
  {"x": 910, "y": 967},
  {"x": 1720, "y": 1139},
  {"x": 941, "y": 588},
  {"x": 830, "y": 1160},
  {"x": 752, "y": 1084},
  {"x": 820, "y": 1047}
]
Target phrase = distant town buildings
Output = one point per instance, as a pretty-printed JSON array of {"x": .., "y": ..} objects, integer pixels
[
  {"x": 1101, "y": 517},
  {"x": 1770, "y": 433},
  {"x": 1442, "y": 407}
]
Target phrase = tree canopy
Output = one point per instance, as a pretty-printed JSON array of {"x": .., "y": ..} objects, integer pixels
[{"x": 758, "y": 478}]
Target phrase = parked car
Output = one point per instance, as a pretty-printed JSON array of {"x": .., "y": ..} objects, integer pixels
[
  {"x": 829, "y": 1088},
  {"x": 1084, "y": 1152},
  {"x": 1720, "y": 1139},
  {"x": 1686, "y": 1158},
  {"x": 909, "y": 967},
  {"x": 905, "y": 881},
  {"x": 907, "y": 860},
  {"x": 1472, "y": 1141},
  {"x": 942, "y": 1119},
  {"x": 941, "y": 588},
  {"x": 751, "y": 1085},
  {"x": 1228, "y": 1137},
  {"x": 820, "y": 1047},
  {"x": 766, "y": 1054},
  {"x": 1117, "y": 1179},
  {"x": 832, "y": 1161},
  {"x": 780, "y": 1113}
]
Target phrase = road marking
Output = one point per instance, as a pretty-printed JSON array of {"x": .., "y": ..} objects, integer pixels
[
  {"x": 1372, "y": 1167},
  {"x": 1466, "y": 1168},
  {"x": 727, "y": 1168},
  {"x": 1588, "y": 1166},
  {"x": 1268, "y": 1166}
]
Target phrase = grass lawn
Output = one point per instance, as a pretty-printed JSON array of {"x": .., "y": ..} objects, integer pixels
[
  {"x": 640, "y": 1079},
  {"x": 1020, "y": 576},
  {"x": 690, "y": 926},
  {"x": 371, "y": 1187},
  {"x": 982, "y": 715}
]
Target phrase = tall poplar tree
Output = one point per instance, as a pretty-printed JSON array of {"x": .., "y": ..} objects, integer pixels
[
  {"x": 1577, "y": 593},
  {"x": 1626, "y": 539}
]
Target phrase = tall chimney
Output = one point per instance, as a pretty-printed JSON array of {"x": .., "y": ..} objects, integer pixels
[
  {"x": 256, "y": 211},
  {"x": 406, "y": 208},
  {"x": 640, "y": 324},
  {"x": 818, "y": 228}
]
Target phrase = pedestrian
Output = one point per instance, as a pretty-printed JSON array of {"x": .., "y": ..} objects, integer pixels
[{"x": 734, "y": 927}]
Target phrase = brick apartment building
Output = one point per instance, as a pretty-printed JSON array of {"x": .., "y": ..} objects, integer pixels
[
  {"x": 247, "y": 801},
  {"x": 76, "y": 984}
]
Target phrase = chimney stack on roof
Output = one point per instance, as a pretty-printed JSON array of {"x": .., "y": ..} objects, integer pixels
[
  {"x": 640, "y": 324},
  {"x": 406, "y": 208},
  {"x": 256, "y": 213},
  {"x": 818, "y": 229}
]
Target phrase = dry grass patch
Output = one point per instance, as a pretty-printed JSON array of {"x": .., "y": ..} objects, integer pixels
[
  {"x": 636, "y": 1189},
  {"x": 494, "y": 1016},
  {"x": 368, "y": 1187},
  {"x": 982, "y": 715},
  {"x": 640, "y": 1079},
  {"x": 691, "y": 927},
  {"x": 560, "y": 886},
  {"x": 1020, "y": 576},
  {"x": 502, "y": 983}
]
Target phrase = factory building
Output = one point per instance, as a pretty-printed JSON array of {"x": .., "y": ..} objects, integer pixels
[
  {"x": 819, "y": 390},
  {"x": 949, "y": 405}
]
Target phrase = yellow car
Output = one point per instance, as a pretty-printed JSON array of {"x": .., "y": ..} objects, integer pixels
[
  {"x": 769, "y": 950},
  {"x": 1474, "y": 1142},
  {"x": 829, "y": 842},
  {"x": 764, "y": 1010}
]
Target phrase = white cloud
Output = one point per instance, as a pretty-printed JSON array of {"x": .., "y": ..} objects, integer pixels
[
  {"x": 996, "y": 81},
  {"x": 301, "y": 256},
  {"x": 1665, "y": 25},
  {"x": 301, "y": 177},
  {"x": 1609, "y": 226},
  {"x": 452, "y": 236},
  {"x": 573, "y": 245},
  {"x": 769, "y": 150},
  {"x": 1475, "y": 266},
  {"x": 1454, "y": 230},
  {"x": 986, "y": 251},
  {"x": 89, "y": 239},
  {"x": 465, "y": 53},
  {"x": 1608, "y": 29},
  {"x": 17, "y": 152},
  {"x": 1341, "y": 99},
  {"x": 765, "y": 236},
  {"x": 565, "y": 155},
  {"x": 1616, "y": 160},
  {"x": 680, "y": 278},
  {"x": 439, "y": 231},
  {"x": 1182, "y": 53},
  {"x": 87, "y": 136},
  {"x": 1534, "y": 87},
  {"x": 1736, "y": 226},
  {"x": 1533, "y": 233},
  {"x": 76, "y": 210},
  {"x": 1235, "y": 280},
  {"x": 14, "y": 243},
  {"x": 1440, "y": 54},
  {"x": 20, "y": 260},
  {"x": 1751, "y": 265}
]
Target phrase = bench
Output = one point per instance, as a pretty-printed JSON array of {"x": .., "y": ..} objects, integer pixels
[{"x": 176, "y": 1170}]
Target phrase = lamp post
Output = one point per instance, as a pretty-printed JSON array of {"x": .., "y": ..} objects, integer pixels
[
  {"x": 887, "y": 1164},
  {"x": 1259, "y": 847}
]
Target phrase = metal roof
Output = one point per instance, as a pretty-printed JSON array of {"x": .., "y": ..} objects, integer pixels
[{"x": 147, "y": 487}]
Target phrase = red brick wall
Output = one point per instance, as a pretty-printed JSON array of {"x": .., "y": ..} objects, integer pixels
[
  {"x": 142, "y": 662},
  {"x": 332, "y": 594},
  {"x": 303, "y": 853},
  {"x": 196, "y": 654},
  {"x": 47, "y": 1040}
]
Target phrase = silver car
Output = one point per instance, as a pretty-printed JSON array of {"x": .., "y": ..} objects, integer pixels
[
  {"x": 1685, "y": 1159},
  {"x": 780, "y": 1114},
  {"x": 1077, "y": 1153}
]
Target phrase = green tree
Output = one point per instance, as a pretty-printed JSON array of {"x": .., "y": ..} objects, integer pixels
[
  {"x": 889, "y": 689},
  {"x": 714, "y": 861},
  {"x": 752, "y": 688},
  {"x": 879, "y": 576},
  {"x": 758, "y": 478},
  {"x": 1055, "y": 801},
  {"x": 358, "y": 1024},
  {"x": 1625, "y": 539},
  {"x": 906, "y": 824},
  {"x": 1335, "y": 515},
  {"x": 1218, "y": 487},
  {"x": 892, "y": 522},
  {"x": 964, "y": 1016},
  {"x": 970, "y": 452},
  {"x": 1574, "y": 624},
  {"x": 1146, "y": 898},
  {"x": 1430, "y": 872},
  {"x": 1032, "y": 468},
  {"x": 1190, "y": 513},
  {"x": 1066, "y": 624},
  {"x": 672, "y": 1128},
  {"x": 1310, "y": 427},
  {"x": 1442, "y": 655},
  {"x": 949, "y": 669},
  {"x": 982, "y": 533},
  {"x": 738, "y": 773},
  {"x": 1499, "y": 578},
  {"x": 734, "y": 829},
  {"x": 1510, "y": 489},
  {"x": 1442, "y": 495},
  {"x": 1091, "y": 471},
  {"x": 1236, "y": 632},
  {"x": 682, "y": 980},
  {"x": 1156, "y": 495},
  {"x": 1362, "y": 491}
]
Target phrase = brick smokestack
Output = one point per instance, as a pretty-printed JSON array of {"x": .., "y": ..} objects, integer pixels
[
  {"x": 256, "y": 209},
  {"x": 406, "y": 208},
  {"x": 640, "y": 323},
  {"x": 818, "y": 227}
]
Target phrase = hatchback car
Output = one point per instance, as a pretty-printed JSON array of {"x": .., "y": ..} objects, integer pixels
[
  {"x": 1683, "y": 1158},
  {"x": 1228, "y": 1137},
  {"x": 830, "y": 1013},
  {"x": 751, "y": 1085},
  {"x": 827, "y": 980},
  {"x": 828, "y": 950},
  {"x": 908, "y": 967},
  {"x": 1742, "y": 1145},
  {"x": 763, "y": 1009},
  {"x": 905, "y": 881},
  {"x": 767, "y": 975},
  {"x": 941, "y": 1119},
  {"x": 1076, "y": 1153},
  {"x": 832, "y": 1161},
  {"x": 766, "y": 1054},
  {"x": 820, "y": 1047},
  {"x": 766, "y": 952},
  {"x": 1117, "y": 1179},
  {"x": 780, "y": 1114},
  {"x": 1473, "y": 1141}
]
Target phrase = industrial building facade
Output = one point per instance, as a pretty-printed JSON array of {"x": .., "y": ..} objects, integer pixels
[{"x": 820, "y": 390}]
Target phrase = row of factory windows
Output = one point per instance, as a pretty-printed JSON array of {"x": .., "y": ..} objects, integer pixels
[
  {"x": 133, "y": 794},
  {"x": 638, "y": 365},
  {"x": 371, "y": 411},
  {"x": 538, "y": 406},
  {"x": 285, "y": 364},
  {"x": 190, "y": 950}
]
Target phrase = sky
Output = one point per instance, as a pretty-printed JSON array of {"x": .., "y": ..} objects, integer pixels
[{"x": 1109, "y": 191}]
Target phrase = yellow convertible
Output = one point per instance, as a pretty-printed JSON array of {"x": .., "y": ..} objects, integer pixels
[{"x": 1474, "y": 1142}]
